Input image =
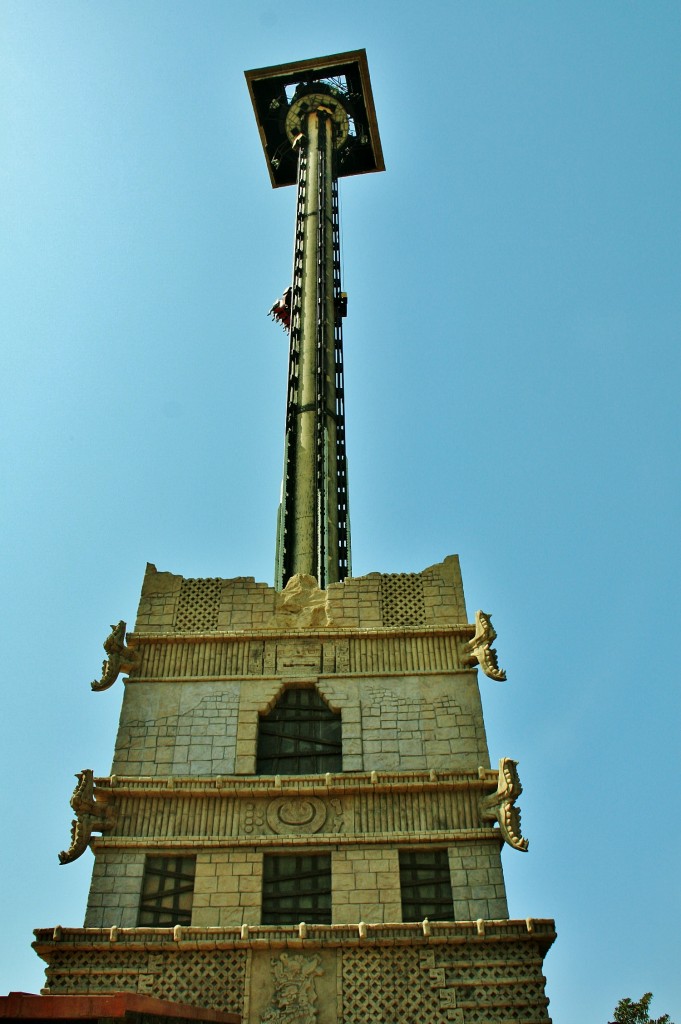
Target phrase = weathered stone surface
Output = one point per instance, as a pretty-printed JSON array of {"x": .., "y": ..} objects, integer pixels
[
  {"x": 387, "y": 652},
  {"x": 475, "y": 972},
  {"x": 392, "y": 721},
  {"x": 171, "y": 604}
]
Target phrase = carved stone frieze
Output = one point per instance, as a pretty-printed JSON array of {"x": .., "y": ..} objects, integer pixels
[
  {"x": 286, "y": 815},
  {"x": 500, "y": 806},
  {"x": 358, "y": 807},
  {"x": 299, "y": 657},
  {"x": 294, "y": 997},
  {"x": 91, "y": 816},
  {"x": 121, "y": 658},
  {"x": 480, "y": 649},
  {"x": 292, "y": 815},
  {"x": 322, "y": 652},
  {"x": 253, "y": 817},
  {"x": 338, "y": 816}
]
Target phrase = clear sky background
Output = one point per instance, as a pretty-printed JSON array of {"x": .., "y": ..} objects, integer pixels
[{"x": 512, "y": 392}]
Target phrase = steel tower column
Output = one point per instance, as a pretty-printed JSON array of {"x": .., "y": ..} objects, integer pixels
[
  {"x": 317, "y": 122},
  {"x": 313, "y": 529}
]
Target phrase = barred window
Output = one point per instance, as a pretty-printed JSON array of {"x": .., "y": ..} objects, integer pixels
[
  {"x": 296, "y": 888},
  {"x": 167, "y": 891},
  {"x": 301, "y": 735},
  {"x": 426, "y": 885}
]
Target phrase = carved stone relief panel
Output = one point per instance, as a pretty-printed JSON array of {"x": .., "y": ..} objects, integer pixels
[
  {"x": 293, "y": 988},
  {"x": 335, "y": 656},
  {"x": 286, "y": 815},
  {"x": 299, "y": 657},
  {"x": 293, "y": 816}
]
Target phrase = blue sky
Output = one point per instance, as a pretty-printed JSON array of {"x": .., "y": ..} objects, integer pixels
[{"x": 512, "y": 380}]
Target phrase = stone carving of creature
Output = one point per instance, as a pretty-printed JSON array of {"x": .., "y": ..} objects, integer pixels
[
  {"x": 91, "y": 815},
  {"x": 500, "y": 806},
  {"x": 480, "y": 648},
  {"x": 294, "y": 997},
  {"x": 121, "y": 658}
]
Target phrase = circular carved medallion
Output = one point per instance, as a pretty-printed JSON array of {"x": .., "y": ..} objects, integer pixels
[{"x": 286, "y": 816}]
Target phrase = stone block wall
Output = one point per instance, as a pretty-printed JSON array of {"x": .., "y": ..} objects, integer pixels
[
  {"x": 228, "y": 888},
  {"x": 478, "y": 885},
  {"x": 365, "y": 884},
  {"x": 390, "y": 723},
  {"x": 177, "y": 729},
  {"x": 115, "y": 889}
]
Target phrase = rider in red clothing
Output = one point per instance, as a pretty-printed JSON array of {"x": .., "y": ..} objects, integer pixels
[{"x": 281, "y": 310}]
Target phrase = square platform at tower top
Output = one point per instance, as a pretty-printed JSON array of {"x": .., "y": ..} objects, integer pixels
[{"x": 269, "y": 89}]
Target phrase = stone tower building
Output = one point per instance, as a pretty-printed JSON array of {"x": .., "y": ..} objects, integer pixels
[{"x": 301, "y": 824}]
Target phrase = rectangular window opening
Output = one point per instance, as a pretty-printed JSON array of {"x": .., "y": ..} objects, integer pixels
[
  {"x": 295, "y": 888},
  {"x": 301, "y": 735},
  {"x": 426, "y": 886},
  {"x": 167, "y": 892}
]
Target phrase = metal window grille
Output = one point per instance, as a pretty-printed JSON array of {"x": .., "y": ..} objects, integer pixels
[
  {"x": 426, "y": 885},
  {"x": 296, "y": 888},
  {"x": 167, "y": 891},
  {"x": 300, "y": 736}
]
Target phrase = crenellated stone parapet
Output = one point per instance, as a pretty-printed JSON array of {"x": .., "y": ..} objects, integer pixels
[{"x": 173, "y": 604}]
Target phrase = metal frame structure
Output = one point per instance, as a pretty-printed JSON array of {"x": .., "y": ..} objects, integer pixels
[
  {"x": 317, "y": 117},
  {"x": 270, "y": 89}
]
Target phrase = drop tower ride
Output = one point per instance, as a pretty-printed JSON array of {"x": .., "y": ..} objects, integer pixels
[
  {"x": 301, "y": 824},
  {"x": 317, "y": 123}
]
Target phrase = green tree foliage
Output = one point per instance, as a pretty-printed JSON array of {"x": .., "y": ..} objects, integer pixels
[{"x": 629, "y": 1012}]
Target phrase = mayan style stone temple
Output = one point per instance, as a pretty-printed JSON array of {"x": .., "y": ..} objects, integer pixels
[{"x": 301, "y": 824}]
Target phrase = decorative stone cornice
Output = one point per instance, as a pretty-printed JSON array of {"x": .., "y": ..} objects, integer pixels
[
  {"x": 342, "y": 783},
  {"x": 154, "y": 814},
  {"x": 287, "y": 632},
  {"x": 50, "y": 940},
  {"x": 446, "y": 837},
  {"x": 500, "y": 806},
  {"x": 330, "y": 809},
  {"x": 91, "y": 815},
  {"x": 480, "y": 649},
  {"x": 121, "y": 658}
]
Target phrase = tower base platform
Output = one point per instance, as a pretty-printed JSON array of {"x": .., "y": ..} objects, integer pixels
[{"x": 467, "y": 972}]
